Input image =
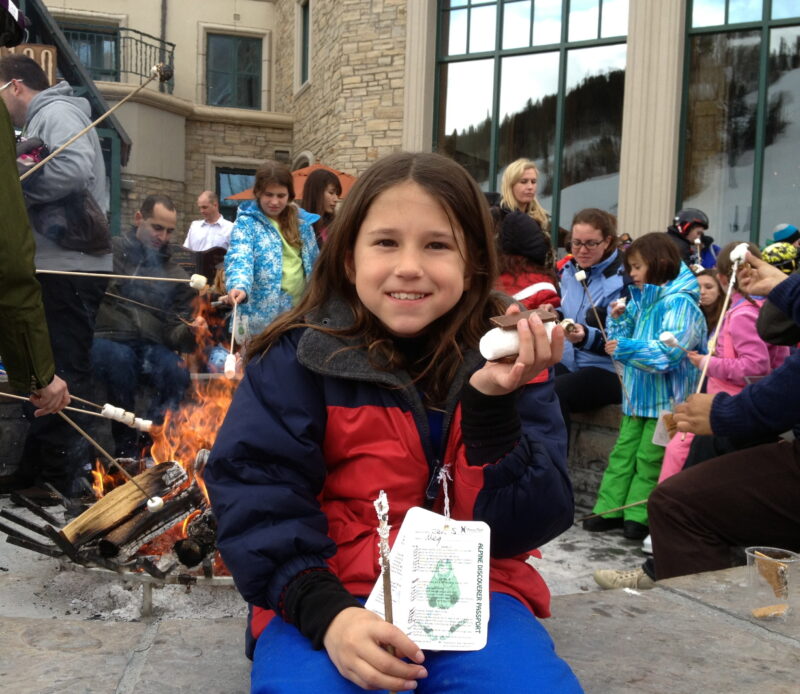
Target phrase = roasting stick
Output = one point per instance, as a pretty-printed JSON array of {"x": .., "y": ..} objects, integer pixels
[
  {"x": 152, "y": 308},
  {"x": 382, "y": 509},
  {"x": 581, "y": 277},
  {"x": 195, "y": 281},
  {"x": 164, "y": 74},
  {"x": 154, "y": 503},
  {"x": 612, "y": 510},
  {"x": 71, "y": 409},
  {"x": 737, "y": 257},
  {"x": 85, "y": 402},
  {"x": 230, "y": 360}
]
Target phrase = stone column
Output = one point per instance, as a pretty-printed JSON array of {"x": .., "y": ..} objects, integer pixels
[
  {"x": 651, "y": 115},
  {"x": 419, "y": 75}
]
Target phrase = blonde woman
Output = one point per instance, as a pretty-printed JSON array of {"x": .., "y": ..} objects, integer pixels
[{"x": 518, "y": 192}]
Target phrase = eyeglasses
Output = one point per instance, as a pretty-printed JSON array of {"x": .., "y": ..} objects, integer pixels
[
  {"x": 9, "y": 83},
  {"x": 588, "y": 244}
]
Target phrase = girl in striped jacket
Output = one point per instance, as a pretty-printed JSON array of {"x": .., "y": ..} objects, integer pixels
[{"x": 664, "y": 298}]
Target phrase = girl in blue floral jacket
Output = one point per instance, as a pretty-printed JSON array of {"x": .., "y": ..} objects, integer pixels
[
  {"x": 272, "y": 250},
  {"x": 665, "y": 298}
]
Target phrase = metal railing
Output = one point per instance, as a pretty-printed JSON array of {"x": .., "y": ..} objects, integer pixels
[{"x": 119, "y": 54}]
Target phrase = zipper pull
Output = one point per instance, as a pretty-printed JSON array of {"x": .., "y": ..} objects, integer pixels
[{"x": 432, "y": 490}]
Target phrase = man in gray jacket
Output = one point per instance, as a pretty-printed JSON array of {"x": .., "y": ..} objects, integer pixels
[{"x": 53, "y": 451}]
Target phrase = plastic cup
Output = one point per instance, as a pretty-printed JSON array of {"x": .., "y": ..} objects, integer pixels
[{"x": 773, "y": 580}]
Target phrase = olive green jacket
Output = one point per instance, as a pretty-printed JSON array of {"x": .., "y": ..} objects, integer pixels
[{"x": 24, "y": 340}]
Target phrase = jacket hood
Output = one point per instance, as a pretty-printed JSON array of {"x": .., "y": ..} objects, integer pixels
[
  {"x": 60, "y": 92},
  {"x": 252, "y": 210},
  {"x": 684, "y": 283}
]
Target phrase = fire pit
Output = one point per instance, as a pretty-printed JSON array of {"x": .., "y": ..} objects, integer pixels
[{"x": 118, "y": 534}]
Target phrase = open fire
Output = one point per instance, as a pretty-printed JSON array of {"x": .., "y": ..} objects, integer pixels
[{"x": 117, "y": 532}]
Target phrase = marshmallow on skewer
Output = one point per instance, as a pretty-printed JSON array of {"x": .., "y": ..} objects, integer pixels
[
  {"x": 108, "y": 411},
  {"x": 569, "y": 325},
  {"x": 670, "y": 340},
  {"x": 142, "y": 424},
  {"x": 580, "y": 275},
  {"x": 499, "y": 343},
  {"x": 230, "y": 366},
  {"x": 118, "y": 414},
  {"x": 698, "y": 241},
  {"x": 155, "y": 503},
  {"x": 128, "y": 418},
  {"x": 198, "y": 282},
  {"x": 738, "y": 253}
]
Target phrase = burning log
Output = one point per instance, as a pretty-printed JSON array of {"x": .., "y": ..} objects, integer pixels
[
  {"x": 120, "y": 504},
  {"x": 200, "y": 541},
  {"x": 124, "y": 540}
]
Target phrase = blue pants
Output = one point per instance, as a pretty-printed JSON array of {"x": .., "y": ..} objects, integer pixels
[
  {"x": 519, "y": 657},
  {"x": 124, "y": 367}
]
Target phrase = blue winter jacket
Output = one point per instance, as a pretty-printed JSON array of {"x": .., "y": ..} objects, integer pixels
[
  {"x": 314, "y": 432},
  {"x": 254, "y": 263},
  {"x": 657, "y": 376},
  {"x": 606, "y": 282}
]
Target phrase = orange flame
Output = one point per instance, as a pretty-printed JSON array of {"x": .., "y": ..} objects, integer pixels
[
  {"x": 194, "y": 426},
  {"x": 101, "y": 480}
]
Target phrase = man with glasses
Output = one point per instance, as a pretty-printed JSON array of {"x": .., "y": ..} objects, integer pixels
[
  {"x": 54, "y": 452},
  {"x": 142, "y": 325}
]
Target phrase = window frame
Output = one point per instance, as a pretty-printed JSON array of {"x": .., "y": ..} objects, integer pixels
[
  {"x": 563, "y": 47},
  {"x": 110, "y": 30},
  {"x": 765, "y": 25},
  {"x": 303, "y": 30},
  {"x": 238, "y": 36}
]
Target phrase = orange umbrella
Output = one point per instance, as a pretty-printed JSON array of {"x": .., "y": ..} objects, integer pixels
[{"x": 299, "y": 178}]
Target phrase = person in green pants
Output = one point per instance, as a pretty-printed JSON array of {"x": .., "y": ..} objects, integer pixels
[{"x": 665, "y": 298}]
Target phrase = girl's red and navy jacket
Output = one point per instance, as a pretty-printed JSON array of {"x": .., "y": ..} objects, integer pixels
[{"x": 313, "y": 434}]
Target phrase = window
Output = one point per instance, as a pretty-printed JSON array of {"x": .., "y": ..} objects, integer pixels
[
  {"x": 231, "y": 181},
  {"x": 233, "y": 71},
  {"x": 540, "y": 79},
  {"x": 303, "y": 41},
  {"x": 97, "y": 48},
  {"x": 741, "y": 146}
]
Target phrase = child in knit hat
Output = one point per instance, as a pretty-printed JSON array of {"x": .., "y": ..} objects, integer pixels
[{"x": 526, "y": 262}]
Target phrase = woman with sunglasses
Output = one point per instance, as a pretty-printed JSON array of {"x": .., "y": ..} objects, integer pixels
[{"x": 585, "y": 377}]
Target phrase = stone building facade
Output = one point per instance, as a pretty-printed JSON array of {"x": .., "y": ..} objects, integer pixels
[{"x": 350, "y": 111}]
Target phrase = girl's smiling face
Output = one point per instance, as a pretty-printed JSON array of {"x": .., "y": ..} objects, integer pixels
[
  {"x": 709, "y": 290},
  {"x": 408, "y": 264},
  {"x": 638, "y": 269},
  {"x": 273, "y": 200}
]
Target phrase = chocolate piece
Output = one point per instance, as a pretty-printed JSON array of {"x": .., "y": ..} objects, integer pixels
[{"x": 509, "y": 321}]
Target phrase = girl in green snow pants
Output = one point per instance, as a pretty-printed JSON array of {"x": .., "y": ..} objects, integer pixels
[{"x": 665, "y": 298}]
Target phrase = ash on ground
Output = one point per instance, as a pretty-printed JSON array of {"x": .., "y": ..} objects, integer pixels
[{"x": 33, "y": 585}]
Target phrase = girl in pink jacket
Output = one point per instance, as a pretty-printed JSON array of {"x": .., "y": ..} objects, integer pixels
[{"x": 741, "y": 356}]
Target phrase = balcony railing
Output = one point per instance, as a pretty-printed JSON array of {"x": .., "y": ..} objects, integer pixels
[{"x": 119, "y": 54}]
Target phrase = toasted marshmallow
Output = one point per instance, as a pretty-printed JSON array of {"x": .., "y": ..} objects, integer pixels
[{"x": 198, "y": 282}]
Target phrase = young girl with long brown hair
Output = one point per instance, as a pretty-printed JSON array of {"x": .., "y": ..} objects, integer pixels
[{"x": 374, "y": 382}]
